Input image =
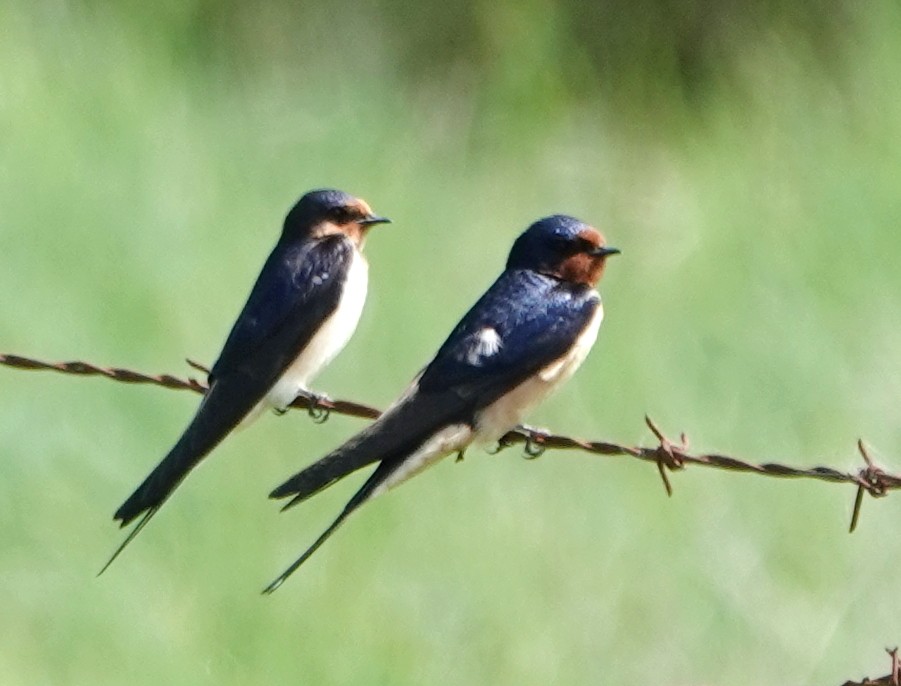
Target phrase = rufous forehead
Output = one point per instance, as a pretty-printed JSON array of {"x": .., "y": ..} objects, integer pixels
[
  {"x": 362, "y": 206},
  {"x": 593, "y": 236}
]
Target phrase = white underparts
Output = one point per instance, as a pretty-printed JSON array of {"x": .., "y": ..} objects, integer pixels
[
  {"x": 328, "y": 341},
  {"x": 502, "y": 415},
  {"x": 449, "y": 440},
  {"x": 508, "y": 410}
]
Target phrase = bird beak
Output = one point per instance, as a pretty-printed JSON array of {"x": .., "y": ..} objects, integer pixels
[
  {"x": 604, "y": 251},
  {"x": 371, "y": 219}
]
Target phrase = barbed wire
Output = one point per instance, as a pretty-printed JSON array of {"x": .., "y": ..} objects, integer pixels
[
  {"x": 667, "y": 455},
  {"x": 893, "y": 678}
]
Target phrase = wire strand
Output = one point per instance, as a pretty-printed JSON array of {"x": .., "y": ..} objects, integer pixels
[{"x": 668, "y": 456}]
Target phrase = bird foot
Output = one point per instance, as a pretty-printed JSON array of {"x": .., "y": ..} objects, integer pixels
[{"x": 318, "y": 405}]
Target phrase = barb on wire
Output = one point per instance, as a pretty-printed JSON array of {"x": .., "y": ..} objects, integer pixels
[
  {"x": 666, "y": 455},
  {"x": 893, "y": 678}
]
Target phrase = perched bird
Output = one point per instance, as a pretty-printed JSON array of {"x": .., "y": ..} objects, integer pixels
[
  {"x": 301, "y": 312},
  {"x": 526, "y": 335}
]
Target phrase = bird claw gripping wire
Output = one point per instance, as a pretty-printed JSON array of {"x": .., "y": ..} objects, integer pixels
[
  {"x": 319, "y": 406},
  {"x": 505, "y": 441},
  {"x": 669, "y": 454},
  {"x": 870, "y": 479},
  {"x": 535, "y": 443},
  {"x": 533, "y": 439}
]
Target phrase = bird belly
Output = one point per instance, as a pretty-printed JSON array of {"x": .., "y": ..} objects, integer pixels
[
  {"x": 507, "y": 411},
  {"x": 328, "y": 341},
  {"x": 441, "y": 444}
]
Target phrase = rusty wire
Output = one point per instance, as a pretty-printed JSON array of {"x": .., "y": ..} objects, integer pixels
[
  {"x": 667, "y": 455},
  {"x": 893, "y": 678}
]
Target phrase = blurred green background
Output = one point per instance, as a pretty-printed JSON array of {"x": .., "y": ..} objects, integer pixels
[{"x": 746, "y": 157}]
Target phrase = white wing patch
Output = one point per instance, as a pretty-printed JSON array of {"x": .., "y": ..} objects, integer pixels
[
  {"x": 507, "y": 411},
  {"x": 487, "y": 342}
]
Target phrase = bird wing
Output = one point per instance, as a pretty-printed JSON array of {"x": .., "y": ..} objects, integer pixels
[
  {"x": 298, "y": 288},
  {"x": 295, "y": 292},
  {"x": 523, "y": 323},
  {"x": 535, "y": 320}
]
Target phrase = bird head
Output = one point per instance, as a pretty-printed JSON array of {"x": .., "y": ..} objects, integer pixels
[
  {"x": 562, "y": 247},
  {"x": 325, "y": 212}
]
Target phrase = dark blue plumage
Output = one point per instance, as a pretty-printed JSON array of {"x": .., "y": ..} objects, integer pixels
[
  {"x": 536, "y": 316},
  {"x": 285, "y": 307},
  {"x": 286, "y": 331},
  {"x": 546, "y": 243},
  {"x": 524, "y": 336}
]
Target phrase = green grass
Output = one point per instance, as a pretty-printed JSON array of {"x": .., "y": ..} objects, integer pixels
[{"x": 144, "y": 173}]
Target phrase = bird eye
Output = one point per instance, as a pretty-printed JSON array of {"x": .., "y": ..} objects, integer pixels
[
  {"x": 342, "y": 214},
  {"x": 568, "y": 246},
  {"x": 585, "y": 245}
]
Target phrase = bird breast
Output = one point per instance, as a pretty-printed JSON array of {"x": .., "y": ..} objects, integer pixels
[
  {"x": 329, "y": 340},
  {"x": 508, "y": 410}
]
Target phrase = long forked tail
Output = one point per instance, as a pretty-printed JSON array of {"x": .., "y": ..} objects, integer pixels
[
  {"x": 308, "y": 552},
  {"x": 219, "y": 413},
  {"x": 163, "y": 480},
  {"x": 128, "y": 539},
  {"x": 149, "y": 497},
  {"x": 398, "y": 432},
  {"x": 367, "y": 490},
  {"x": 322, "y": 474}
]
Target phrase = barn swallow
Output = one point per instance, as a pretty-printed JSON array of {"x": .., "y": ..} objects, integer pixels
[
  {"x": 524, "y": 337},
  {"x": 301, "y": 312}
]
